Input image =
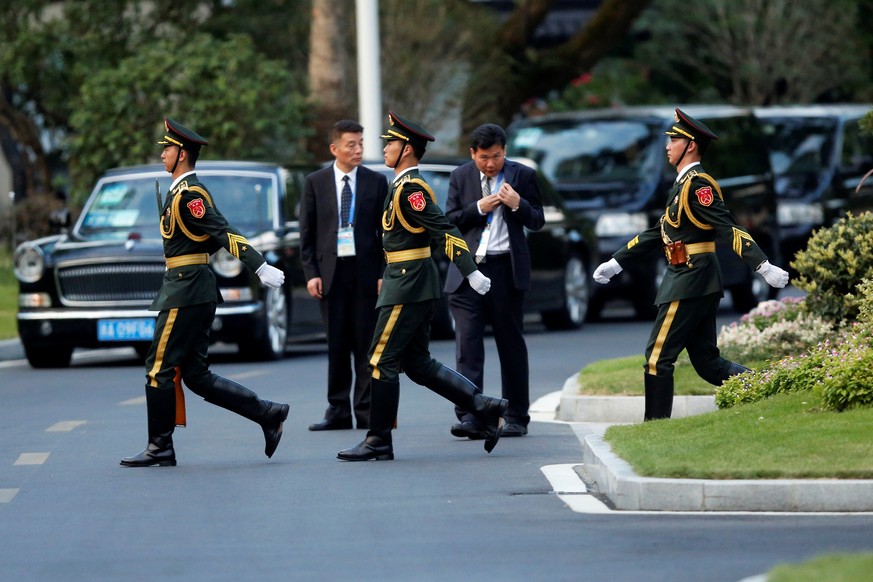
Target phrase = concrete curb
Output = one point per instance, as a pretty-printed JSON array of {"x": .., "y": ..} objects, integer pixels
[
  {"x": 614, "y": 478},
  {"x": 11, "y": 350},
  {"x": 620, "y": 409}
]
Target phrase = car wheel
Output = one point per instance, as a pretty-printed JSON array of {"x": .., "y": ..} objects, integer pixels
[
  {"x": 269, "y": 343},
  {"x": 577, "y": 296},
  {"x": 43, "y": 356}
]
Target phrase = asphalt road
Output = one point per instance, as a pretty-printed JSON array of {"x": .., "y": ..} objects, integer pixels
[{"x": 444, "y": 509}]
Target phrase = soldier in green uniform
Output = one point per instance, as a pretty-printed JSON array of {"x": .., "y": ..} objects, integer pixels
[
  {"x": 688, "y": 297},
  {"x": 411, "y": 221},
  {"x": 192, "y": 229}
]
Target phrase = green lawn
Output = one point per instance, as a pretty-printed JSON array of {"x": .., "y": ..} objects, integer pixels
[
  {"x": 8, "y": 297},
  {"x": 830, "y": 567},
  {"x": 787, "y": 436},
  {"x": 624, "y": 376}
]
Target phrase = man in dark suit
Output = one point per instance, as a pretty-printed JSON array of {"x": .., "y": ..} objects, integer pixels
[
  {"x": 491, "y": 201},
  {"x": 341, "y": 252},
  {"x": 695, "y": 215}
]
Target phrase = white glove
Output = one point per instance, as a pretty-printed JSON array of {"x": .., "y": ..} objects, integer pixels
[
  {"x": 774, "y": 276},
  {"x": 479, "y": 282},
  {"x": 607, "y": 271},
  {"x": 270, "y": 276}
]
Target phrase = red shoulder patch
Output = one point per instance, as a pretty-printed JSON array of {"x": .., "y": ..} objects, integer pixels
[
  {"x": 197, "y": 208},
  {"x": 417, "y": 201},
  {"x": 704, "y": 195}
]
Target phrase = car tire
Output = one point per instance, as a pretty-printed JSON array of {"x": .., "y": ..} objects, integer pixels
[
  {"x": 577, "y": 297},
  {"x": 269, "y": 342},
  {"x": 44, "y": 356}
]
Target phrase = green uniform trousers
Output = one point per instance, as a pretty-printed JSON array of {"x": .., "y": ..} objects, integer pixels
[
  {"x": 401, "y": 343},
  {"x": 687, "y": 324},
  {"x": 181, "y": 340}
]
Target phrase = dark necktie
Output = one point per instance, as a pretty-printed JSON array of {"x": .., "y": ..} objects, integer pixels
[
  {"x": 486, "y": 189},
  {"x": 346, "y": 203}
]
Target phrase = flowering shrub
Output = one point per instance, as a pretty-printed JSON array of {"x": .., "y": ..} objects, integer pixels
[
  {"x": 841, "y": 371},
  {"x": 773, "y": 329},
  {"x": 848, "y": 375},
  {"x": 790, "y": 374}
]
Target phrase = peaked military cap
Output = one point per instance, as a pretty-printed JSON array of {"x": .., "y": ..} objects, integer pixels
[
  {"x": 687, "y": 126},
  {"x": 179, "y": 135},
  {"x": 400, "y": 128}
]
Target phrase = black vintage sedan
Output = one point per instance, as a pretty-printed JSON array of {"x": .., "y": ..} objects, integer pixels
[
  {"x": 92, "y": 287},
  {"x": 563, "y": 254}
]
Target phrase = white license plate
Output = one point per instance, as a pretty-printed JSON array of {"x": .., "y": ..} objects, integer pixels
[{"x": 122, "y": 330}]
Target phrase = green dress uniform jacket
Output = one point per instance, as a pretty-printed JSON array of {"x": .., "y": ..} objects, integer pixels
[
  {"x": 411, "y": 221},
  {"x": 192, "y": 229},
  {"x": 695, "y": 215}
]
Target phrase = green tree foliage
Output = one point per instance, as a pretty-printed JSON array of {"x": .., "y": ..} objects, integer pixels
[
  {"x": 156, "y": 58},
  {"x": 756, "y": 52},
  {"x": 247, "y": 107}
]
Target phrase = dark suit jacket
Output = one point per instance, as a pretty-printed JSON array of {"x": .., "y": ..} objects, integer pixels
[
  {"x": 465, "y": 189},
  {"x": 319, "y": 218}
]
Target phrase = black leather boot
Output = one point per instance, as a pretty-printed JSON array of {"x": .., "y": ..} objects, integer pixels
[
  {"x": 735, "y": 369},
  {"x": 239, "y": 399},
  {"x": 377, "y": 446},
  {"x": 659, "y": 397},
  {"x": 488, "y": 410},
  {"x": 161, "y": 406}
]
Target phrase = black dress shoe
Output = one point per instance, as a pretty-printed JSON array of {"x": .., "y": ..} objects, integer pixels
[
  {"x": 469, "y": 429},
  {"x": 276, "y": 416},
  {"x": 514, "y": 429},
  {"x": 370, "y": 449},
  {"x": 332, "y": 424}
]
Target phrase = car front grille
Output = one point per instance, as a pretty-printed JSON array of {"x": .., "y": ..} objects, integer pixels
[{"x": 110, "y": 283}]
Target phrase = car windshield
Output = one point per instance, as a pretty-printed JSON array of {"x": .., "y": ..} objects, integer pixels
[
  {"x": 593, "y": 151},
  {"x": 800, "y": 151},
  {"x": 126, "y": 206}
]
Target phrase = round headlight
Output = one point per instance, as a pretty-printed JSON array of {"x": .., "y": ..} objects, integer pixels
[
  {"x": 29, "y": 263},
  {"x": 225, "y": 264}
]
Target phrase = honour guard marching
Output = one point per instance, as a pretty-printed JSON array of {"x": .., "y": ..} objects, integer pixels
[
  {"x": 411, "y": 222},
  {"x": 689, "y": 295},
  {"x": 192, "y": 229}
]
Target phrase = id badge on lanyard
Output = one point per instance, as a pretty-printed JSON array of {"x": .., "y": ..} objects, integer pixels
[{"x": 345, "y": 242}]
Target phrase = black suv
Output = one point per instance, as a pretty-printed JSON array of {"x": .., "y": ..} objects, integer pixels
[
  {"x": 611, "y": 165},
  {"x": 563, "y": 253},
  {"x": 92, "y": 287},
  {"x": 818, "y": 155}
]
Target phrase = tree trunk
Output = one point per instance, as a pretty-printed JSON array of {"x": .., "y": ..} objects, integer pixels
[
  {"x": 329, "y": 70},
  {"x": 24, "y": 152}
]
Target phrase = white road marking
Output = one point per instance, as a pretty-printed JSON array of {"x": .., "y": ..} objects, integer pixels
[
  {"x": 571, "y": 490},
  {"x": 65, "y": 425},
  {"x": 244, "y": 375},
  {"x": 544, "y": 409},
  {"x": 31, "y": 459},
  {"x": 133, "y": 401},
  {"x": 6, "y": 495}
]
